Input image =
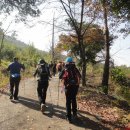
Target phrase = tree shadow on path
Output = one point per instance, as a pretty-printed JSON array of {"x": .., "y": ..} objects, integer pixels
[
  {"x": 81, "y": 121},
  {"x": 60, "y": 112}
]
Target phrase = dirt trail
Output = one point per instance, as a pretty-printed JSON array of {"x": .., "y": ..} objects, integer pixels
[{"x": 26, "y": 114}]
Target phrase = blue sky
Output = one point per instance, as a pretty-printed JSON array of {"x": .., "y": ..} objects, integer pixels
[{"x": 120, "y": 51}]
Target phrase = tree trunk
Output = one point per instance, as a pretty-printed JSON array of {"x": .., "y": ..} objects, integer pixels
[
  {"x": 1, "y": 47},
  {"x": 84, "y": 73},
  {"x": 105, "y": 78},
  {"x": 82, "y": 56}
]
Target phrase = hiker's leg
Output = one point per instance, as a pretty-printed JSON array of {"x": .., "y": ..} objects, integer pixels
[
  {"x": 17, "y": 81},
  {"x": 74, "y": 102},
  {"x": 68, "y": 103},
  {"x": 45, "y": 91},
  {"x": 74, "y": 105},
  {"x": 11, "y": 87},
  {"x": 39, "y": 92}
]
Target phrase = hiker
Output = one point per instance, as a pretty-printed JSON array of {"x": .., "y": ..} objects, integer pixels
[
  {"x": 15, "y": 67},
  {"x": 50, "y": 67},
  {"x": 70, "y": 78},
  {"x": 54, "y": 69},
  {"x": 59, "y": 67},
  {"x": 42, "y": 72}
]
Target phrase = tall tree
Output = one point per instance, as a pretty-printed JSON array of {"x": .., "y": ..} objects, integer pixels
[
  {"x": 76, "y": 18},
  {"x": 109, "y": 8},
  {"x": 105, "y": 78},
  {"x": 93, "y": 43}
]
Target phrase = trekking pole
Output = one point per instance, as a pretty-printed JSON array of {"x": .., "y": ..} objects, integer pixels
[
  {"x": 51, "y": 98},
  {"x": 35, "y": 84},
  {"x": 23, "y": 83},
  {"x": 58, "y": 93}
]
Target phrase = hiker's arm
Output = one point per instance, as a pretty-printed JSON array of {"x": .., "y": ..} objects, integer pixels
[
  {"x": 62, "y": 83},
  {"x": 78, "y": 75},
  {"x": 8, "y": 69},
  {"x": 48, "y": 71},
  {"x": 61, "y": 79},
  {"x": 23, "y": 67},
  {"x": 61, "y": 74},
  {"x": 35, "y": 73},
  {"x": 78, "y": 80}
]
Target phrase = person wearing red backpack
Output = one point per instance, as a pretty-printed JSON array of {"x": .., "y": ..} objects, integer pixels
[{"x": 70, "y": 78}]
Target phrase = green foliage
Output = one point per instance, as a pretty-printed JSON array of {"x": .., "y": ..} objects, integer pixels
[
  {"x": 3, "y": 74},
  {"x": 121, "y": 7},
  {"x": 27, "y": 55},
  {"x": 118, "y": 76},
  {"x": 26, "y": 7}
]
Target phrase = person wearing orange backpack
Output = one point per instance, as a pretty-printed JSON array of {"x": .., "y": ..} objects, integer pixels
[
  {"x": 59, "y": 67},
  {"x": 70, "y": 78}
]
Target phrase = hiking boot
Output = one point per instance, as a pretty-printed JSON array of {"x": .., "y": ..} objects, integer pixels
[
  {"x": 43, "y": 107},
  {"x": 16, "y": 98},
  {"x": 68, "y": 119},
  {"x": 11, "y": 97},
  {"x": 75, "y": 116}
]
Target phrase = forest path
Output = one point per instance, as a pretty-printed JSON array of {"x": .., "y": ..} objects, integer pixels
[{"x": 26, "y": 114}]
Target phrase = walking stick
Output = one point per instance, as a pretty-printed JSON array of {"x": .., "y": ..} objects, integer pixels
[
  {"x": 23, "y": 83},
  {"x": 51, "y": 98},
  {"x": 58, "y": 93}
]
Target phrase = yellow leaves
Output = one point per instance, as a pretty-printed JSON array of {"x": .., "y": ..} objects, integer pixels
[
  {"x": 93, "y": 35},
  {"x": 3, "y": 77},
  {"x": 65, "y": 42},
  {"x": 126, "y": 119},
  {"x": 67, "y": 39}
]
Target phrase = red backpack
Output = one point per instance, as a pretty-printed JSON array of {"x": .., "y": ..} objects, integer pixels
[{"x": 70, "y": 77}]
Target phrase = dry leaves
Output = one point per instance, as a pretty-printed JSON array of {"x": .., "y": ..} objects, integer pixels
[{"x": 107, "y": 114}]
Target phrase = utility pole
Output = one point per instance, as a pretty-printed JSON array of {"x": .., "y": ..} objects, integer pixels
[{"x": 52, "y": 49}]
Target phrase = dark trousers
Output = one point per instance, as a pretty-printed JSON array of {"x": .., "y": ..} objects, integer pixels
[
  {"x": 14, "y": 86},
  {"x": 71, "y": 92},
  {"x": 42, "y": 90}
]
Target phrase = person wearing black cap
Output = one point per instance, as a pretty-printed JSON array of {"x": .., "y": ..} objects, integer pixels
[
  {"x": 42, "y": 72},
  {"x": 15, "y": 68}
]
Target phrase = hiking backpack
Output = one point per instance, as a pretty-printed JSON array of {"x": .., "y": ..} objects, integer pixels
[
  {"x": 70, "y": 77},
  {"x": 43, "y": 72},
  {"x": 59, "y": 67}
]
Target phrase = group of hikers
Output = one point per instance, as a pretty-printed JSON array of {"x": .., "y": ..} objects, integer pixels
[
  {"x": 54, "y": 68},
  {"x": 69, "y": 77}
]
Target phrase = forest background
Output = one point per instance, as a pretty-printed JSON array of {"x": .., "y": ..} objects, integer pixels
[{"x": 86, "y": 33}]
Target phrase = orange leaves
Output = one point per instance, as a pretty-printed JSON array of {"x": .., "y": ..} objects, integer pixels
[
  {"x": 65, "y": 42},
  {"x": 93, "y": 35},
  {"x": 104, "y": 113}
]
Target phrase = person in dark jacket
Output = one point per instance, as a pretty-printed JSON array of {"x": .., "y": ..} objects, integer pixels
[
  {"x": 70, "y": 78},
  {"x": 42, "y": 72},
  {"x": 54, "y": 69},
  {"x": 15, "y": 67}
]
